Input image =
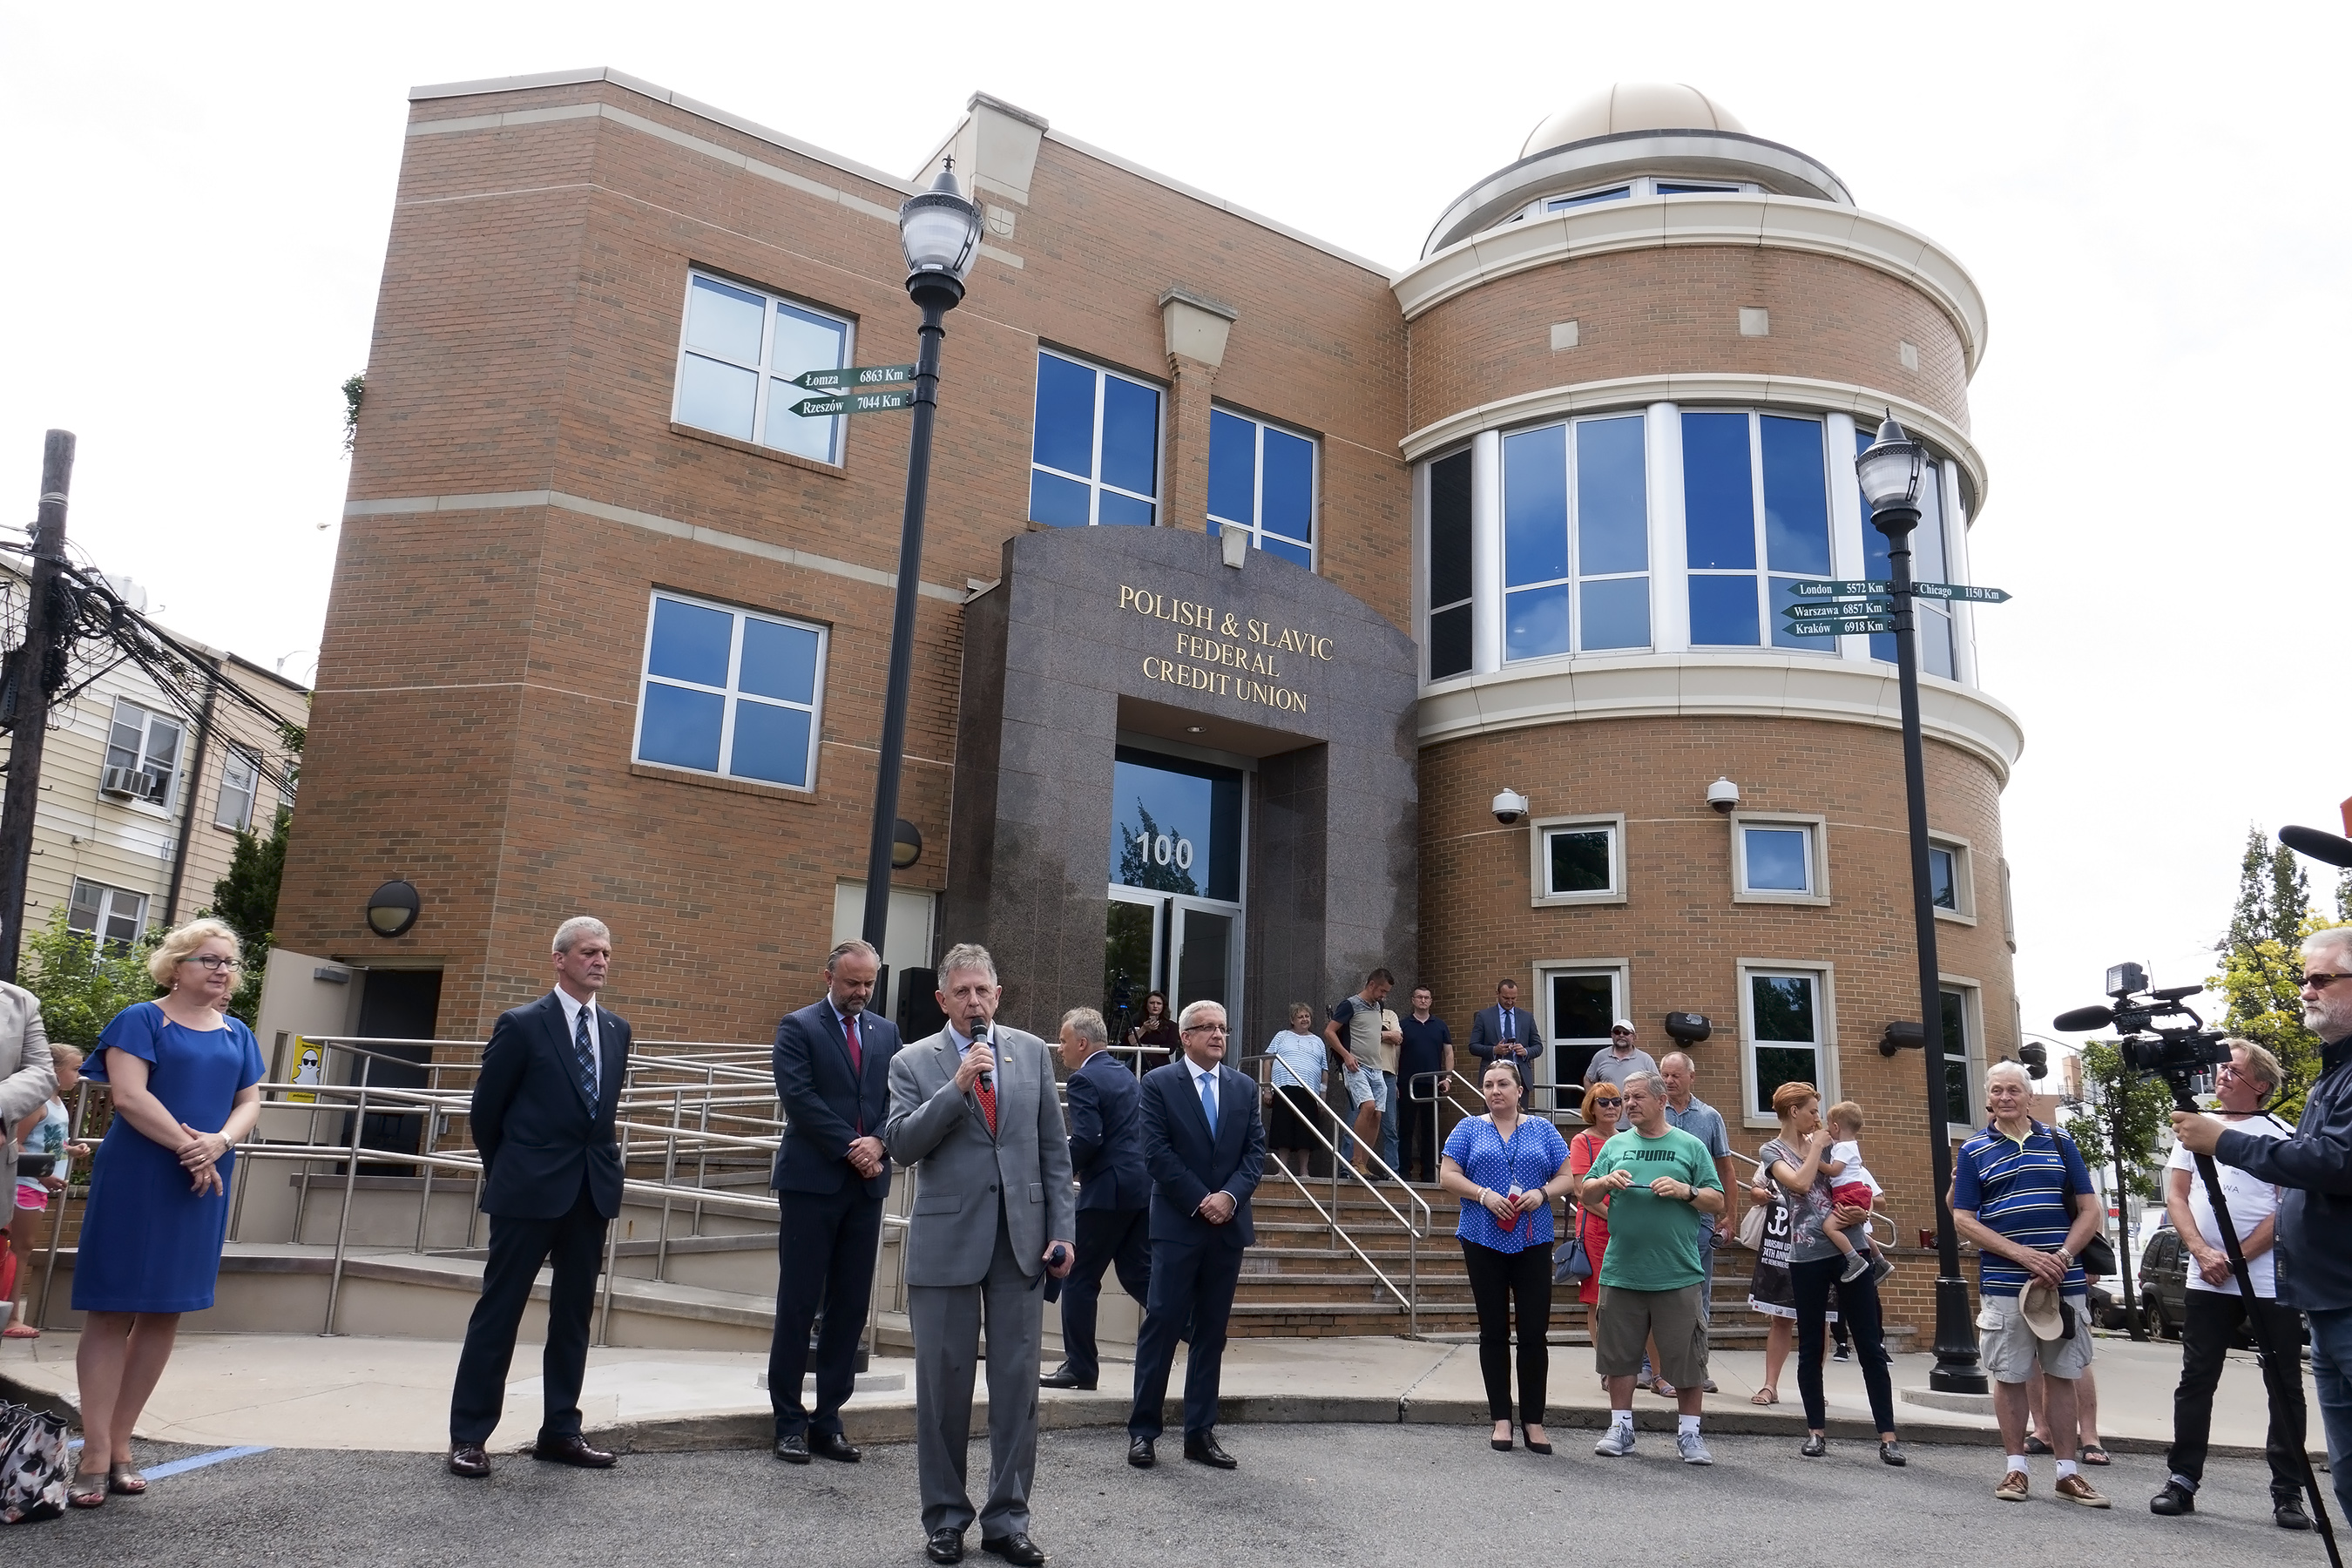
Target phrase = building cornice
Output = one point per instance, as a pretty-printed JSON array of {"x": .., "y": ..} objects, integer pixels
[
  {"x": 1797, "y": 392},
  {"x": 1744, "y": 685},
  {"x": 1771, "y": 222}
]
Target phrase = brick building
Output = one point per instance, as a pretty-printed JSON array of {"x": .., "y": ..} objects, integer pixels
[{"x": 609, "y": 622}]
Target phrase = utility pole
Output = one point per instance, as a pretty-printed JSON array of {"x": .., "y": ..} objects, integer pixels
[{"x": 32, "y": 672}]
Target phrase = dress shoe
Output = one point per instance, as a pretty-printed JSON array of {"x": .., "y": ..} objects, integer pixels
[
  {"x": 1140, "y": 1454},
  {"x": 793, "y": 1449},
  {"x": 1204, "y": 1450},
  {"x": 2288, "y": 1513},
  {"x": 1015, "y": 1548},
  {"x": 835, "y": 1447},
  {"x": 468, "y": 1460},
  {"x": 1063, "y": 1377},
  {"x": 574, "y": 1451},
  {"x": 2173, "y": 1501},
  {"x": 945, "y": 1545}
]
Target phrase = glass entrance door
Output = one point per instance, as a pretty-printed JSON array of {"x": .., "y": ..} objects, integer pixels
[
  {"x": 1208, "y": 957},
  {"x": 1131, "y": 949},
  {"x": 1175, "y": 920}
]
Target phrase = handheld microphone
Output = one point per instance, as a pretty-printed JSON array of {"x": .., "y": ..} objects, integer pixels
[
  {"x": 2324, "y": 847},
  {"x": 2083, "y": 1018},
  {"x": 980, "y": 1037}
]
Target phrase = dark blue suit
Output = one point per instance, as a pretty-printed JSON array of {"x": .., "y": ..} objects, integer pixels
[
  {"x": 551, "y": 1182},
  {"x": 1195, "y": 1264},
  {"x": 1105, "y": 1111},
  {"x": 829, "y": 1217}
]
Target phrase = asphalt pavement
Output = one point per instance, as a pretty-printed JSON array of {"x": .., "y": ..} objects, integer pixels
[{"x": 1358, "y": 1496}]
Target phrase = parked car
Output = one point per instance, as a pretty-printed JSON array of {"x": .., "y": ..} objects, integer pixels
[{"x": 2164, "y": 1283}]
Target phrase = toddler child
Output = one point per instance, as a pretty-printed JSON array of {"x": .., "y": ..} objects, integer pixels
[{"x": 1852, "y": 1187}]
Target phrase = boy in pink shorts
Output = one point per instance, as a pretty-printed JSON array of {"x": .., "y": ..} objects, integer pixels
[{"x": 1852, "y": 1187}]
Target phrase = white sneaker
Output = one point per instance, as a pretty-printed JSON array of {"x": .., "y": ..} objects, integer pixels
[
  {"x": 1694, "y": 1448},
  {"x": 1615, "y": 1443}
]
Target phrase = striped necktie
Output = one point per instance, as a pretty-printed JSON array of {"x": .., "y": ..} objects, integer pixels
[{"x": 584, "y": 1055}]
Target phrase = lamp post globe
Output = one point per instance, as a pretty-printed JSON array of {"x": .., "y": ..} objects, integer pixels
[
  {"x": 938, "y": 231},
  {"x": 1890, "y": 469}
]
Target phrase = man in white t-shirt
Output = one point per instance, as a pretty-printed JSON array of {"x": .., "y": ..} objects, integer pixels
[{"x": 2215, "y": 1309}]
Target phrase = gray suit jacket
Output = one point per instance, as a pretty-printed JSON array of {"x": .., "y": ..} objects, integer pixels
[
  {"x": 27, "y": 1076},
  {"x": 960, "y": 1172}
]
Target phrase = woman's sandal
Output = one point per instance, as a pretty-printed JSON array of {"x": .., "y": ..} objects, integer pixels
[
  {"x": 87, "y": 1489},
  {"x": 2093, "y": 1454},
  {"x": 1767, "y": 1395},
  {"x": 122, "y": 1477}
]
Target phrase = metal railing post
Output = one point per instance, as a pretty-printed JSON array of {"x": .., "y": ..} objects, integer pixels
[
  {"x": 431, "y": 1142},
  {"x": 613, "y": 1233},
  {"x": 351, "y": 1185},
  {"x": 669, "y": 1177}
]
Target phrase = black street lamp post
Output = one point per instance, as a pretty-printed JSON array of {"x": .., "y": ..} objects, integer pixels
[
  {"x": 1890, "y": 471},
  {"x": 939, "y": 231}
]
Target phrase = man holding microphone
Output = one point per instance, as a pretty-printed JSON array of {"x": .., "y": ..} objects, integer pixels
[{"x": 2314, "y": 1170}]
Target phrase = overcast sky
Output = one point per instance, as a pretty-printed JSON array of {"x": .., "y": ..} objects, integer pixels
[{"x": 197, "y": 199}]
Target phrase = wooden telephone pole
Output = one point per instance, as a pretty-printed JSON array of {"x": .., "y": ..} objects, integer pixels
[{"x": 32, "y": 672}]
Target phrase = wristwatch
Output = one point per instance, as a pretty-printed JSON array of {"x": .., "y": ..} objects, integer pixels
[{"x": 2066, "y": 1258}]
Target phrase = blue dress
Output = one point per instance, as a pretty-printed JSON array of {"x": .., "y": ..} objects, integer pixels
[{"x": 148, "y": 1243}]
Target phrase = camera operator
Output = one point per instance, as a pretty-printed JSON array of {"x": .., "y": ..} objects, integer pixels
[
  {"x": 2215, "y": 1308},
  {"x": 2314, "y": 1167}
]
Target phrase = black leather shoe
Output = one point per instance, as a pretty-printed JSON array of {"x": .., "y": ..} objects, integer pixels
[
  {"x": 572, "y": 1450},
  {"x": 2173, "y": 1501},
  {"x": 1204, "y": 1450},
  {"x": 2287, "y": 1512},
  {"x": 1815, "y": 1445},
  {"x": 1892, "y": 1454},
  {"x": 467, "y": 1459},
  {"x": 1016, "y": 1548},
  {"x": 835, "y": 1447},
  {"x": 1063, "y": 1377},
  {"x": 1140, "y": 1454},
  {"x": 794, "y": 1449},
  {"x": 945, "y": 1545}
]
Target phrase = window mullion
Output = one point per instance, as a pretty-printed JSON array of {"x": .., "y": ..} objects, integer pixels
[
  {"x": 1763, "y": 579},
  {"x": 1095, "y": 475},
  {"x": 727, "y": 702}
]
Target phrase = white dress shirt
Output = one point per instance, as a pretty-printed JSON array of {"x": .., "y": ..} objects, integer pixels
[{"x": 572, "y": 1006}]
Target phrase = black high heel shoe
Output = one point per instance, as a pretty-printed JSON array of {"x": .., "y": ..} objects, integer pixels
[{"x": 1536, "y": 1447}]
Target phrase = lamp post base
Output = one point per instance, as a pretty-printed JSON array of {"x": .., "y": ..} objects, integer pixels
[{"x": 1955, "y": 1370}]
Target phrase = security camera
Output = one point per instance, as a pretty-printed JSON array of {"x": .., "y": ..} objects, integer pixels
[
  {"x": 1723, "y": 794},
  {"x": 1509, "y": 806}
]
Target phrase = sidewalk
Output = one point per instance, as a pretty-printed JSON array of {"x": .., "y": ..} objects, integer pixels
[{"x": 301, "y": 1391}]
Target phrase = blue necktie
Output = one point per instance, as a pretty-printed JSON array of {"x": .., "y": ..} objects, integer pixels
[
  {"x": 1209, "y": 1101},
  {"x": 586, "y": 1056}
]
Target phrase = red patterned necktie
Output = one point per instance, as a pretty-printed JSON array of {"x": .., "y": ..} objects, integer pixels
[{"x": 987, "y": 1093}]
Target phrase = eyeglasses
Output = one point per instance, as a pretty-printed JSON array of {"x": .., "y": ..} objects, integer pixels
[
  {"x": 214, "y": 962},
  {"x": 1207, "y": 1029},
  {"x": 1598, "y": 1103},
  {"x": 2319, "y": 981}
]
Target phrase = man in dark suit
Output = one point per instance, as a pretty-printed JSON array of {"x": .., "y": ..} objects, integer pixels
[
  {"x": 832, "y": 1078},
  {"x": 1503, "y": 1033},
  {"x": 1114, "y": 1194},
  {"x": 542, "y": 1118},
  {"x": 1204, "y": 1146}
]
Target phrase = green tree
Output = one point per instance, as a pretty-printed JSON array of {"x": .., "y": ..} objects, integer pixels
[
  {"x": 2262, "y": 960},
  {"x": 82, "y": 985},
  {"x": 247, "y": 900},
  {"x": 1137, "y": 865},
  {"x": 2126, "y": 1111}
]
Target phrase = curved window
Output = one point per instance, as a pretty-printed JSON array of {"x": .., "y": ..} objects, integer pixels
[
  {"x": 1575, "y": 538},
  {"x": 1449, "y": 566},
  {"x": 1755, "y": 518}
]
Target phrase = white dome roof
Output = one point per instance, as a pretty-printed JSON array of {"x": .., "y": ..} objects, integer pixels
[{"x": 1631, "y": 106}]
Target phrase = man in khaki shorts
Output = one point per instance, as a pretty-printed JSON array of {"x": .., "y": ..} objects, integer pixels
[
  {"x": 1652, "y": 1177},
  {"x": 2021, "y": 1193}
]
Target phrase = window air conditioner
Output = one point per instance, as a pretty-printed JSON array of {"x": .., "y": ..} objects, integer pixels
[{"x": 131, "y": 784}]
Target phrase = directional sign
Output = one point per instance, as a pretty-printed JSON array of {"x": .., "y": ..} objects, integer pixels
[
  {"x": 1845, "y": 627},
  {"x": 1878, "y": 587},
  {"x": 853, "y": 375},
  {"x": 855, "y": 403},
  {"x": 1876, "y": 604},
  {"x": 1853, "y": 588},
  {"x": 1961, "y": 591}
]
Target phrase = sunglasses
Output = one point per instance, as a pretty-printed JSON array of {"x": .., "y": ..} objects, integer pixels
[
  {"x": 2319, "y": 981},
  {"x": 1597, "y": 1103}
]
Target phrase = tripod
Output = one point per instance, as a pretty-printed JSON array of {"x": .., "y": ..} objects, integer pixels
[{"x": 2282, "y": 1370}]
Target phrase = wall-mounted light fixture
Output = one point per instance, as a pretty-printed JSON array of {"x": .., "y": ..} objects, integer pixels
[{"x": 393, "y": 909}]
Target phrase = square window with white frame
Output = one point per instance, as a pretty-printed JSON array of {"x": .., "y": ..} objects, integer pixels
[
  {"x": 731, "y": 692},
  {"x": 1951, "y": 879},
  {"x": 1784, "y": 1032},
  {"x": 1778, "y": 860},
  {"x": 240, "y": 786},
  {"x": 142, "y": 756},
  {"x": 1095, "y": 448},
  {"x": 738, "y": 351},
  {"x": 115, "y": 916},
  {"x": 1261, "y": 483},
  {"x": 1579, "y": 859}
]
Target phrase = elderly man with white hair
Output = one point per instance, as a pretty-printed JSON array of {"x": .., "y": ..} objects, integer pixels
[
  {"x": 2021, "y": 1194},
  {"x": 2314, "y": 1171}
]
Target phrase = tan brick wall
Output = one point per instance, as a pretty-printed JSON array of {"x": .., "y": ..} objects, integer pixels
[{"x": 1676, "y": 311}]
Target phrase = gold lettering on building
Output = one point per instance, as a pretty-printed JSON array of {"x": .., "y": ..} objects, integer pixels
[{"x": 1221, "y": 655}]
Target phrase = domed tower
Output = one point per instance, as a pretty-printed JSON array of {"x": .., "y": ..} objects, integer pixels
[{"x": 1643, "y": 356}]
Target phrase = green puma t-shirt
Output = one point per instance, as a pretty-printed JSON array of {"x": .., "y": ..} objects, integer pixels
[{"x": 1653, "y": 1246}]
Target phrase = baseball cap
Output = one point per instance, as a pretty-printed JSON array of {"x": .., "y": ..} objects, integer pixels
[{"x": 1624, "y": 1024}]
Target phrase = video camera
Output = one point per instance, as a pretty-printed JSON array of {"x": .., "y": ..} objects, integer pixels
[{"x": 2178, "y": 1053}]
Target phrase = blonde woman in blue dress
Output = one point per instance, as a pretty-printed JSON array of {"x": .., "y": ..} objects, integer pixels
[{"x": 184, "y": 1077}]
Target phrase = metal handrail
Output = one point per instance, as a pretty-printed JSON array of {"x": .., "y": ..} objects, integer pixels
[{"x": 1409, "y": 1302}]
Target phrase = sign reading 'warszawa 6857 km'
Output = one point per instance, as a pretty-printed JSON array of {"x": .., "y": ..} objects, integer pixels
[{"x": 1221, "y": 654}]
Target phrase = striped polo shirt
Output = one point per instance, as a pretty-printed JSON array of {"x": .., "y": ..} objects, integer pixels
[{"x": 2022, "y": 1189}]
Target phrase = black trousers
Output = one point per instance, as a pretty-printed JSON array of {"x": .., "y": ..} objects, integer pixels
[
  {"x": 1496, "y": 1281},
  {"x": 1105, "y": 1238},
  {"x": 826, "y": 1245},
  {"x": 1858, "y": 1309},
  {"x": 1418, "y": 1145},
  {"x": 1191, "y": 1281},
  {"x": 2207, "y": 1326},
  {"x": 518, "y": 1248}
]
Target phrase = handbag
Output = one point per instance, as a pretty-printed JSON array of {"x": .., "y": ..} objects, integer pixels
[
  {"x": 2098, "y": 1257},
  {"x": 32, "y": 1464},
  {"x": 1751, "y": 1227},
  {"x": 1574, "y": 1265}
]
